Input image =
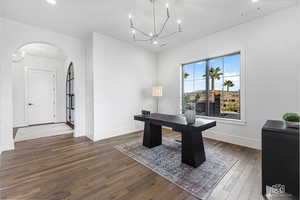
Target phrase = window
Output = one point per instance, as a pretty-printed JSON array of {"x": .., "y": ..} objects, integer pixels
[
  {"x": 70, "y": 96},
  {"x": 212, "y": 86}
]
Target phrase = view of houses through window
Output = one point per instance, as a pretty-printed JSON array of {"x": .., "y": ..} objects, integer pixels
[{"x": 212, "y": 86}]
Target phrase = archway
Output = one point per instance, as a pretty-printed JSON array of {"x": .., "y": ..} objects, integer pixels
[{"x": 39, "y": 75}]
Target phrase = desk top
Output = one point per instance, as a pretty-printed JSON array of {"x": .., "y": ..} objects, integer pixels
[{"x": 177, "y": 122}]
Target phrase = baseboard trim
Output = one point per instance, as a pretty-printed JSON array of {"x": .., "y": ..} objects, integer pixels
[
  {"x": 18, "y": 125},
  {"x": 233, "y": 139},
  {"x": 90, "y": 138},
  {"x": 118, "y": 135},
  {"x": 8, "y": 148},
  {"x": 26, "y": 125}
]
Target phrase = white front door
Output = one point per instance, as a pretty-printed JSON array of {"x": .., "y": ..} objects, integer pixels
[{"x": 40, "y": 96}]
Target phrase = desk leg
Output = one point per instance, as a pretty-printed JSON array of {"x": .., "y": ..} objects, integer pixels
[
  {"x": 263, "y": 189},
  {"x": 263, "y": 184},
  {"x": 152, "y": 135},
  {"x": 192, "y": 152}
]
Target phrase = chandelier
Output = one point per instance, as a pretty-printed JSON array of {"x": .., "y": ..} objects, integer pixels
[{"x": 158, "y": 33}]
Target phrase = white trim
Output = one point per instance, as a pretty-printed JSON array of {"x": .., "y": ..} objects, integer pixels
[
  {"x": 243, "y": 85},
  {"x": 224, "y": 120},
  {"x": 233, "y": 139},
  {"x": 26, "y": 96},
  {"x": 116, "y": 134},
  {"x": 26, "y": 70},
  {"x": 48, "y": 57},
  {"x": 88, "y": 136},
  {"x": 20, "y": 124},
  {"x": 242, "y": 121},
  {"x": 75, "y": 103}
]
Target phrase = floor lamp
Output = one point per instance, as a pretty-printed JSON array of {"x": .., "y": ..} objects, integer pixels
[{"x": 157, "y": 92}]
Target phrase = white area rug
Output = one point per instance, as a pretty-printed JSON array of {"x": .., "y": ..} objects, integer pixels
[{"x": 34, "y": 132}]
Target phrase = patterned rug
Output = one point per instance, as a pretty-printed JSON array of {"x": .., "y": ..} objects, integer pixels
[{"x": 166, "y": 161}]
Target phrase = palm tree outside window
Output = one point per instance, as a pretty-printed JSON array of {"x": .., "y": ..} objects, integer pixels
[
  {"x": 228, "y": 84},
  {"x": 213, "y": 86}
]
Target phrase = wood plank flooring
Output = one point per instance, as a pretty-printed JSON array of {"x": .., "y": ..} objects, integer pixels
[{"x": 63, "y": 167}]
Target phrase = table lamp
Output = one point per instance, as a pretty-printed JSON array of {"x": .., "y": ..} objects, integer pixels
[{"x": 157, "y": 92}]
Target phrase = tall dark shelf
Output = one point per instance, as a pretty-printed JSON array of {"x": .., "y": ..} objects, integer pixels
[{"x": 280, "y": 157}]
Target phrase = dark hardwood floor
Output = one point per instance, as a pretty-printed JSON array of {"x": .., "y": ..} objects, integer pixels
[{"x": 63, "y": 167}]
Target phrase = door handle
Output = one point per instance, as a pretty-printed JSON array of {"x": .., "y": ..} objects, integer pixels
[{"x": 30, "y": 104}]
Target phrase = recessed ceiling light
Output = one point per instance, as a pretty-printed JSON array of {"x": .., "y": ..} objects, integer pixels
[
  {"x": 52, "y": 2},
  {"x": 255, "y": 1}
]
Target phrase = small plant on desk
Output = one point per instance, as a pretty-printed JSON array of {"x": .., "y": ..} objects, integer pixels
[{"x": 292, "y": 120}]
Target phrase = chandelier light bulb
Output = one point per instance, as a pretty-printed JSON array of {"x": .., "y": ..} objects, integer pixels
[
  {"x": 151, "y": 34},
  {"x": 255, "y": 1},
  {"x": 167, "y": 5},
  {"x": 130, "y": 16},
  {"x": 133, "y": 31},
  {"x": 155, "y": 42},
  {"x": 179, "y": 21}
]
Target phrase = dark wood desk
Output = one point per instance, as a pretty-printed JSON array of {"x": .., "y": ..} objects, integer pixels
[{"x": 192, "y": 152}]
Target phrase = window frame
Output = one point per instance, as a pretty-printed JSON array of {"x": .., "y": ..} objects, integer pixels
[
  {"x": 242, "y": 120},
  {"x": 70, "y": 96}
]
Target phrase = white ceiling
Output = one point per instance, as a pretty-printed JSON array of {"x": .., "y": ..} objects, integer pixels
[{"x": 80, "y": 17}]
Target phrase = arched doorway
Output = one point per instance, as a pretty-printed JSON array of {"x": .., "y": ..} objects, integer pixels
[
  {"x": 70, "y": 96},
  {"x": 39, "y": 71}
]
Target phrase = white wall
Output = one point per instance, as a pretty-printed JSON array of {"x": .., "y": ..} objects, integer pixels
[
  {"x": 271, "y": 54},
  {"x": 2, "y": 115},
  {"x": 37, "y": 62},
  {"x": 89, "y": 89},
  {"x": 16, "y": 35},
  {"x": 122, "y": 79}
]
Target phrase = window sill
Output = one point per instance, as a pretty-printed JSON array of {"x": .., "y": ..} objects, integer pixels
[{"x": 224, "y": 120}]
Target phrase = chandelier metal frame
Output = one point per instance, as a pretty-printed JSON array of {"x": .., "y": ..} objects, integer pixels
[{"x": 157, "y": 34}]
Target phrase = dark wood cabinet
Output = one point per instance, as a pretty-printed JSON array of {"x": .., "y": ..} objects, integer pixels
[{"x": 280, "y": 157}]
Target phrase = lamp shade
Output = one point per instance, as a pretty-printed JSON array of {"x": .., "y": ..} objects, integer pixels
[{"x": 157, "y": 91}]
